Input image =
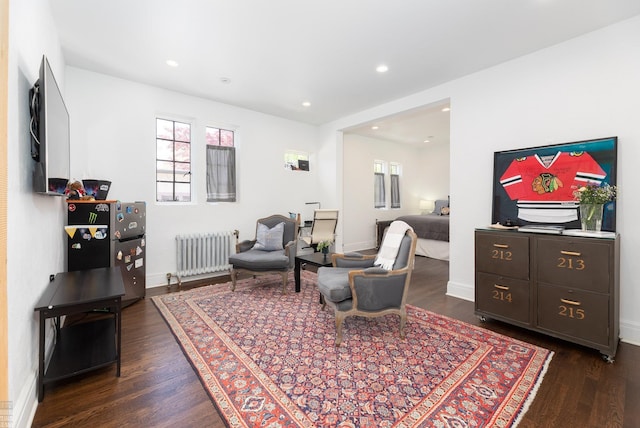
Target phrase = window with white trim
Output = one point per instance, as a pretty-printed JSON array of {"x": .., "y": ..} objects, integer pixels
[
  {"x": 173, "y": 161},
  {"x": 379, "y": 195},
  {"x": 394, "y": 175},
  {"x": 221, "y": 165}
]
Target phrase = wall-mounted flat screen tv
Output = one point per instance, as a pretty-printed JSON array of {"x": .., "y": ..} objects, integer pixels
[
  {"x": 49, "y": 130},
  {"x": 535, "y": 185}
]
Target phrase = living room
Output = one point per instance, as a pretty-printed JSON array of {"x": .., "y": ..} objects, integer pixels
[{"x": 581, "y": 88}]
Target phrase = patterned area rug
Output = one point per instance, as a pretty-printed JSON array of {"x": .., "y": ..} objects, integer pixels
[{"x": 268, "y": 359}]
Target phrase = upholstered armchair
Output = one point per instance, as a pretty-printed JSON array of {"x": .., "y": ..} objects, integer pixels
[
  {"x": 355, "y": 286},
  {"x": 273, "y": 251}
]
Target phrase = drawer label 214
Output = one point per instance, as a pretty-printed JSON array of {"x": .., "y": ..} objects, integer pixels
[{"x": 502, "y": 293}]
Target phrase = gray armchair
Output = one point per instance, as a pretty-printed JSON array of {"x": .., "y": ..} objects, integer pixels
[
  {"x": 354, "y": 286},
  {"x": 273, "y": 251}
]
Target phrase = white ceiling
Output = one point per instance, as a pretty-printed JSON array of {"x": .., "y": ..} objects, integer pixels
[{"x": 279, "y": 53}]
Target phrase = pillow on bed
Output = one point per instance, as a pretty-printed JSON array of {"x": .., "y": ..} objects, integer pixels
[
  {"x": 445, "y": 211},
  {"x": 440, "y": 204}
]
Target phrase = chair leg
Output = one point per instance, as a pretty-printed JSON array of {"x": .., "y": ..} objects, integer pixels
[
  {"x": 285, "y": 276},
  {"x": 403, "y": 322},
  {"x": 339, "y": 320},
  {"x": 234, "y": 274}
]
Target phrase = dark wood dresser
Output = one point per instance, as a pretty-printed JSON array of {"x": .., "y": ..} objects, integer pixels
[{"x": 563, "y": 286}]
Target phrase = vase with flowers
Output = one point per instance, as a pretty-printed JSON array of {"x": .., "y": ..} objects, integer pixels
[
  {"x": 323, "y": 246},
  {"x": 591, "y": 199}
]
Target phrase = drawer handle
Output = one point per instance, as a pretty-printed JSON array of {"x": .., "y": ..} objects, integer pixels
[
  {"x": 501, "y": 245},
  {"x": 500, "y": 287},
  {"x": 570, "y": 253},
  {"x": 570, "y": 302}
]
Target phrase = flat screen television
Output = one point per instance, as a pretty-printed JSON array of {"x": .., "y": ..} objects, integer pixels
[
  {"x": 49, "y": 128},
  {"x": 534, "y": 186}
]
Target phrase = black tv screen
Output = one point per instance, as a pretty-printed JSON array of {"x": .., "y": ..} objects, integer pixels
[
  {"x": 535, "y": 185},
  {"x": 49, "y": 129}
]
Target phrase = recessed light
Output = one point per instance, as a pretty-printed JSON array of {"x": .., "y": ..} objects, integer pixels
[
  {"x": 375, "y": 127},
  {"x": 306, "y": 104},
  {"x": 172, "y": 63},
  {"x": 446, "y": 109},
  {"x": 225, "y": 80},
  {"x": 382, "y": 68},
  {"x": 426, "y": 141}
]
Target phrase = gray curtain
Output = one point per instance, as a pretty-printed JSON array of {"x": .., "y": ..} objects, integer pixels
[
  {"x": 378, "y": 190},
  {"x": 395, "y": 191},
  {"x": 221, "y": 174}
]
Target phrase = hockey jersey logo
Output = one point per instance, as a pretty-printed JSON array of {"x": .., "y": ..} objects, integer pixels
[{"x": 546, "y": 183}]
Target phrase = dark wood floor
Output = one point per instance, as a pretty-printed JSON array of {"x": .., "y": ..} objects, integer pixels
[{"x": 158, "y": 387}]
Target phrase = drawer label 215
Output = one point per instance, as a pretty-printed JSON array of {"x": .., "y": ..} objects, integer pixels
[{"x": 568, "y": 309}]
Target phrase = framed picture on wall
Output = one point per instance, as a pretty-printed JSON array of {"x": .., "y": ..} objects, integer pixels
[{"x": 535, "y": 185}]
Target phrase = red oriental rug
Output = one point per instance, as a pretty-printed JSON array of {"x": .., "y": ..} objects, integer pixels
[{"x": 268, "y": 359}]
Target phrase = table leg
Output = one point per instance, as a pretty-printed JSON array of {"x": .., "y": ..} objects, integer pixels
[
  {"x": 296, "y": 274},
  {"x": 119, "y": 335},
  {"x": 41, "y": 359}
]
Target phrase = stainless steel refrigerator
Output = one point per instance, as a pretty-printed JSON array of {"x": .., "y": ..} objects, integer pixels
[{"x": 109, "y": 233}]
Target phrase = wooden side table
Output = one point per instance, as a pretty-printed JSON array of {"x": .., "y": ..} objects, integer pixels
[
  {"x": 313, "y": 259},
  {"x": 84, "y": 346}
]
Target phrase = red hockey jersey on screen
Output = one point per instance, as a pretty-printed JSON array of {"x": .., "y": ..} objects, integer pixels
[{"x": 544, "y": 186}]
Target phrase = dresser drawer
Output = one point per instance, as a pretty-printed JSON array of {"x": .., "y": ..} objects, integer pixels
[
  {"x": 503, "y": 296},
  {"x": 504, "y": 254},
  {"x": 574, "y": 262},
  {"x": 576, "y": 313}
]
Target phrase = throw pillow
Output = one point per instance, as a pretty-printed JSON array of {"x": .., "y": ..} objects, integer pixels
[
  {"x": 440, "y": 203},
  {"x": 269, "y": 239},
  {"x": 445, "y": 211}
]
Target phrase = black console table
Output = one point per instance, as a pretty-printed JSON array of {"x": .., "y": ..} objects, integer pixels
[{"x": 87, "y": 345}]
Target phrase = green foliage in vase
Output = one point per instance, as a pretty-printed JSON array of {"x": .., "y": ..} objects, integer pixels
[
  {"x": 324, "y": 244},
  {"x": 593, "y": 194}
]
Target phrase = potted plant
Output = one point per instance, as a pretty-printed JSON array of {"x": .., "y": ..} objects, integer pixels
[
  {"x": 592, "y": 199},
  {"x": 323, "y": 246}
]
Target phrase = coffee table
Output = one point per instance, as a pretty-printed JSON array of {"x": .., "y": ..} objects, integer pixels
[{"x": 313, "y": 259}]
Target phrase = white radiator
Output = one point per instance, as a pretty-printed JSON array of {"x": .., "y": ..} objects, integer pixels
[{"x": 204, "y": 253}]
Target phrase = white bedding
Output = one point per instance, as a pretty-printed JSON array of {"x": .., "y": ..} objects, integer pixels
[{"x": 432, "y": 248}]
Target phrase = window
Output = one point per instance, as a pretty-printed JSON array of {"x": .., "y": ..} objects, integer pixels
[
  {"x": 394, "y": 170},
  {"x": 221, "y": 165},
  {"x": 296, "y": 160},
  {"x": 173, "y": 161},
  {"x": 379, "y": 199}
]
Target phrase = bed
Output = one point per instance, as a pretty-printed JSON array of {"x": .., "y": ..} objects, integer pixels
[
  {"x": 433, "y": 234},
  {"x": 432, "y": 230}
]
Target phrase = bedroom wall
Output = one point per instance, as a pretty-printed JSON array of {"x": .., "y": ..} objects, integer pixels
[
  {"x": 581, "y": 89},
  {"x": 113, "y": 137},
  {"x": 34, "y": 222},
  {"x": 425, "y": 175}
]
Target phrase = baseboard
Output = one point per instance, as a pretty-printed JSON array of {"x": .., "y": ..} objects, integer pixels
[
  {"x": 461, "y": 291},
  {"x": 358, "y": 246},
  {"x": 25, "y": 406},
  {"x": 160, "y": 280},
  {"x": 630, "y": 332}
]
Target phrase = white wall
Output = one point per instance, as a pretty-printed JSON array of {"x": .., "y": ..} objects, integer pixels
[
  {"x": 425, "y": 175},
  {"x": 35, "y": 222},
  {"x": 585, "y": 88},
  {"x": 113, "y": 137}
]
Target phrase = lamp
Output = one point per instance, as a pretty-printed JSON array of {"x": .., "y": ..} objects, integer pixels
[{"x": 427, "y": 206}]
